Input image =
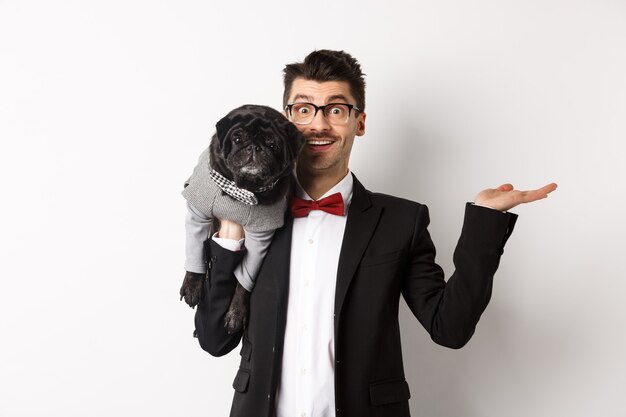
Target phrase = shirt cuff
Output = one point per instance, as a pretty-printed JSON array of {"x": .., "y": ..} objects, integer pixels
[
  {"x": 481, "y": 205},
  {"x": 228, "y": 244}
]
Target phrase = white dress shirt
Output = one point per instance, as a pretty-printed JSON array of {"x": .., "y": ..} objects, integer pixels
[{"x": 307, "y": 387}]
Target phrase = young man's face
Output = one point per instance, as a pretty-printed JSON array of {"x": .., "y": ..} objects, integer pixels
[{"x": 327, "y": 148}]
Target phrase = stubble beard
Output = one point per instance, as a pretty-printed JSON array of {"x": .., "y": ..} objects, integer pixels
[
  {"x": 323, "y": 165},
  {"x": 324, "y": 160}
]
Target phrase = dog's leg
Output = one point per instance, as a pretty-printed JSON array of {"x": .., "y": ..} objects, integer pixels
[{"x": 236, "y": 317}]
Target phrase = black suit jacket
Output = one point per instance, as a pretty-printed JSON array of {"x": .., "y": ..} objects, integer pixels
[{"x": 386, "y": 251}]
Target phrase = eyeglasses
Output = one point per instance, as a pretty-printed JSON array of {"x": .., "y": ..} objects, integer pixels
[{"x": 335, "y": 113}]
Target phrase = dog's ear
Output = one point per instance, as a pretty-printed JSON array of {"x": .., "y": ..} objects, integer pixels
[
  {"x": 222, "y": 127},
  {"x": 295, "y": 140},
  {"x": 219, "y": 146}
]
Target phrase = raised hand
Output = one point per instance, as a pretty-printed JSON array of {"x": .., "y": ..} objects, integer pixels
[{"x": 505, "y": 197}]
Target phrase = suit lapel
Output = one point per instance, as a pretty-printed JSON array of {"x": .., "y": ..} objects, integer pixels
[
  {"x": 360, "y": 225},
  {"x": 280, "y": 260}
]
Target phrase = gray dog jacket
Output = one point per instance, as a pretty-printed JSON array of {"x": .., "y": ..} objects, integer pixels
[{"x": 202, "y": 192}]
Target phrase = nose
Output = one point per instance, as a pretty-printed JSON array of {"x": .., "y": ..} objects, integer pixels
[
  {"x": 319, "y": 122},
  {"x": 253, "y": 148}
]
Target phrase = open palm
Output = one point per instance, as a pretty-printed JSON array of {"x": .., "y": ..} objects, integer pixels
[{"x": 505, "y": 197}]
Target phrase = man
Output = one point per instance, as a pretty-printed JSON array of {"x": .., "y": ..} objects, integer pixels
[{"x": 323, "y": 335}]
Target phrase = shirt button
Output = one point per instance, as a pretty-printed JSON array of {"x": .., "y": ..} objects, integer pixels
[
  {"x": 310, "y": 241},
  {"x": 303, "y": 371},
  {"x": 302, "y": 414}
]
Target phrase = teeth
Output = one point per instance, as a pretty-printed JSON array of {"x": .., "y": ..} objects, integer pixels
[{"x": 320, "y": 142}]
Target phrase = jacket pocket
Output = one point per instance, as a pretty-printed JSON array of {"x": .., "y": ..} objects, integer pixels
[
  {"x": 389, "y": 391},
  {"x": 240, "y": 384}
]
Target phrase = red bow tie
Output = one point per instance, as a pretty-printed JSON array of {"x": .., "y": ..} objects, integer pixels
[{"x": 332, "y": 204}]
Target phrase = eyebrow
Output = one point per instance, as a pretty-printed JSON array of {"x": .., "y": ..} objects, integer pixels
[
  {"x": 337, "y": 97},
  {"x": 330, "y": 99},
  {"x": 302, "y": 96}
]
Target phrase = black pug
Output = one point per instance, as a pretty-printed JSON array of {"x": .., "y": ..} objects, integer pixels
[{"x": 244, "y": 176}]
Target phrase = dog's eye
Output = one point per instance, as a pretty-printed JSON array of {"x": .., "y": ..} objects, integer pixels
[{"x": 270, "y": 143}]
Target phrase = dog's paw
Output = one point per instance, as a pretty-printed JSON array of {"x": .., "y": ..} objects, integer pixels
[
  {"x": 233, "y": 321},
  {"x": 192, "y": 287},
  {"x": 236, "y": 318}
]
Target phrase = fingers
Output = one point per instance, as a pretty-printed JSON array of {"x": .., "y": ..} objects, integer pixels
[
  {"x": 547, "y": 189},
  {"x": 543, "y": 191},
  {"x": 538, "y": 194}
]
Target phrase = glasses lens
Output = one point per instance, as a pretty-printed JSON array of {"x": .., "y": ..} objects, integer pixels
[
  {"x": 337, "y": 113},
  {"x": 302, "y": 113}
]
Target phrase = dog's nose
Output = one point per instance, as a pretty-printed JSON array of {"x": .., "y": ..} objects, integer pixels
[{"x": 254, "y": 148}]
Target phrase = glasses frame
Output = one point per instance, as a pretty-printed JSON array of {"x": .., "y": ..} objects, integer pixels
[{"x": 323, "y": 109}]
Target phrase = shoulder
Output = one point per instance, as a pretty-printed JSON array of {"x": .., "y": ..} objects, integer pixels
[
  {"x": 401, "y": 209},
  {"x": 387, "y": 200},
  {"x": 397, "y": 211},
  {"x": 400, "y": 222}
]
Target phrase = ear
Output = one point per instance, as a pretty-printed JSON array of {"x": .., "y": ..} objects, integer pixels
[
  {"x": 360, "y": 124},
  {"x": 222, "y": 127}
]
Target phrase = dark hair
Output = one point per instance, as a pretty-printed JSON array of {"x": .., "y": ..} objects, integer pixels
[{"x": 326, "y": 65}]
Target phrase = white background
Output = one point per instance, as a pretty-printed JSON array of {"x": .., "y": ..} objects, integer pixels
[{"x": 105, "y": 106}]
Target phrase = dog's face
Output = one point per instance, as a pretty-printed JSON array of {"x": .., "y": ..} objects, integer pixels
[{"x": 254, "y": 146}]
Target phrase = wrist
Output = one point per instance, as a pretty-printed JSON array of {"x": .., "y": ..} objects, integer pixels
[{"x": 230, "y": 230}]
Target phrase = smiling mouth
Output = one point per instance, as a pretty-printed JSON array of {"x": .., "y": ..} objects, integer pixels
[{"x": 318, "y": 142}]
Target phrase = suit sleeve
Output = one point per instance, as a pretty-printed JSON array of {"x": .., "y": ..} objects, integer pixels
[
  {"x": 219, "y": 288},
  {"x": 450, "y": 310}
]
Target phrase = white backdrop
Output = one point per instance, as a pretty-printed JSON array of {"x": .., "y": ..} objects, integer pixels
[{"x": 104, "y": 107}]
